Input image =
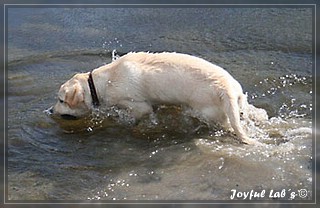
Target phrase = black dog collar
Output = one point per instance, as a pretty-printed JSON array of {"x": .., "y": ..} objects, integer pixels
[{"x": 94, "y": 96}]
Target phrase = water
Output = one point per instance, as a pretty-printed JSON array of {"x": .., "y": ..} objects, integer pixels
[{"x": 169, "y": 156}]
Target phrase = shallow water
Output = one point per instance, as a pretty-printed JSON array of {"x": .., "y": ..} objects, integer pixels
[{"x": 170, "y": 156}]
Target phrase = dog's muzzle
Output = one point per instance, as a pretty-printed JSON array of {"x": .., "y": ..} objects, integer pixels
[{"x": 50, "y": 112}]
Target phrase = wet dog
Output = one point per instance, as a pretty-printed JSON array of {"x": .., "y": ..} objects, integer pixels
[{"x": 137, "y": 81}]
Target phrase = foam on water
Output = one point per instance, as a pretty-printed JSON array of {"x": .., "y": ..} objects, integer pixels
[{"x": 277, "y": 137}]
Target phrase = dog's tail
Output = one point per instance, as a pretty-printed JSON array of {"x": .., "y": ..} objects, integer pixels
[{"x": 232, "y": 105}]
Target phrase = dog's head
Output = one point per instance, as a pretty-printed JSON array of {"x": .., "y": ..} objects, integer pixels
[{"x": 73, "y": 98}]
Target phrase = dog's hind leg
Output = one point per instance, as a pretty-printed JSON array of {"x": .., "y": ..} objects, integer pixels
[{"x": 231, "y": 109}]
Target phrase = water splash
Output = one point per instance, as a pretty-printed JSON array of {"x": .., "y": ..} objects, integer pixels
[
  {"x": 114, "y": 55},
  {"x": 275, "y": 85},
  {"x": 112, "y": 45},
  {"x": 291, "y": 93}
]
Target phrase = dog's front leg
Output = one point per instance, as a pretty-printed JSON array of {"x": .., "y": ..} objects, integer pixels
[{"x": 136, "y": 108}]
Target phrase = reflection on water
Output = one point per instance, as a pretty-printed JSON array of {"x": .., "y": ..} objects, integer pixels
[{"x": 168, "y": 155}]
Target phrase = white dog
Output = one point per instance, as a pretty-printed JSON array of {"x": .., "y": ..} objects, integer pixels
[{"x": 137, "y": 81}]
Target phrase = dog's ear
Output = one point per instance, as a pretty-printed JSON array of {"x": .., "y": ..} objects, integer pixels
[{"x": 74, "y": 95}]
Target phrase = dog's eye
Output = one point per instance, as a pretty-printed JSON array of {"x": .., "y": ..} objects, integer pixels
[{"x": 61, "y": 101}]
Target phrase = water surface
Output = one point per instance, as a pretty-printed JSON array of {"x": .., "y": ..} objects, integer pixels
[{"x": 268, "y": 50}]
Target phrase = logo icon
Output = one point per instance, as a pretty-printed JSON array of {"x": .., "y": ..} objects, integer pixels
[{"x": 303, "y": 193}]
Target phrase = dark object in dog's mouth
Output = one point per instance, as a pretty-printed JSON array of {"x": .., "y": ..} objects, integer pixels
[{"x": 68, "y": 117}]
